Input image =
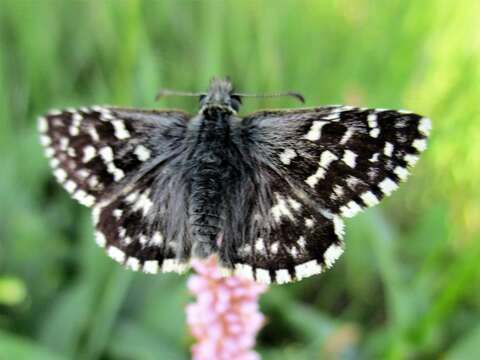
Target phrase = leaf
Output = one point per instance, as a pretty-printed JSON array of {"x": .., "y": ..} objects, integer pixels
[
  {"x": 134, "y": 341},
  {"x": 15, "y": 347},
  {"x": 467, "y": 347}
]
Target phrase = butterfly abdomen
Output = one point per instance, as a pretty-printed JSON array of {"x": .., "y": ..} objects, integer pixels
[{"x": 210, "y": 172}]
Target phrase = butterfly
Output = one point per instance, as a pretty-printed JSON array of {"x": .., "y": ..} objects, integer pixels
[{"x": 265, "y": 193}]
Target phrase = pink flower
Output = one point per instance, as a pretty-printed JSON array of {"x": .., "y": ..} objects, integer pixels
[{"x": 225, "y": 319}]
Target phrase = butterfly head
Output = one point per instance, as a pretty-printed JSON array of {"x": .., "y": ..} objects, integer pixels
[{"x": 220, "y": 96}]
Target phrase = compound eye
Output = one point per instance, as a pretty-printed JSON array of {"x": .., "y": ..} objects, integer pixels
[{"x": 235, "y": 102}]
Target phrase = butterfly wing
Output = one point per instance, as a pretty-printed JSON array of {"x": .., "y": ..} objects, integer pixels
[
  {"x": 119, "y": 161},
  {"x": 318, "y": 165}
]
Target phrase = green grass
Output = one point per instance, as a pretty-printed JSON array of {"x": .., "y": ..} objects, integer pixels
[{"x": 408, "y": 285}]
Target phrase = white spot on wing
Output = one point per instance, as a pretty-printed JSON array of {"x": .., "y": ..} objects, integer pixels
[
  {"x": 260, "y": 246},
  {"x": 375, "y": 132},
  {"x": 307, "y": 269},
  {"x": 283, "y": 276},
  {"x": 281, "y": 209},
  {"x": 127, "y": 240},
  {"x": 327, "y": 158},
  {"x": 425, "y": 125},
  {"x": 352, "y": 181},
  {"x": 60, "y": 174},
  {"x": 332, "y": 254},
  {"x": 42, "y": 124},
  {"x": 420, "y": 144},
  {"x": 387, "y": 186},
  {"x": 142, "y": 153},
  {"x": 100, "y": 239},
  {"x": 143, "y": 203},
  {"x": 312, "y": 180},
  {"x": 116, "y": 254},
  {"x": 89, "y": 153},
  {"x": 348, "y": 134},
  {"x": 143, "y": 240},
  {"x": 106, "y": 115},
  {"x": 338, "y": 190},
  {"x": 70, "y": 186},
  {"x": 350, "y": 209},
  {"x": 374, "y": 157},
  {"x": 338, "y": 226},
  {"x": 150, "y": 266},
  {"x": 74, "y": 130},
  {"x": 333, "y": 116},
  {"x": 369, "y": 198},
  {"x": 83, "y": 198},
  {"x": 349, "y": 158},
  {"x": 117, "y": 173},
  {"x": 45, "y": 140},
  {"x": 309, "y": 223},
  {"x": 157, "y": 239},
  {"x": 388, "y": 149},
  {"x": 83, "y": 173},
  {"x": 107, "y": 155},
  {"x": 411, "y": 159},
  {"x": 372, "y": 120},
  {"x": 132, "y": 264},
  {"x": 93, "y": 181},
  {"x": 173, "y": 265},
  {"x": 287, "y": 155},
  {"x": 49, "y": 152},
  {"x": 274, "y": 247},
  {"x": 77, "y": 118},
  {"x": 122, "y": 232},
  {"x": 132, "y": 197},
  {"x": 301, "y": 242},
  {"x": 294, "y": 204},
  {"x": 315, "y": 130},
  {"x": 54, "y": 163},
  {"x": 121, "y": 131},
  {"x": 401, "y": 172},
  {"x": 93, "y": 133},
  {"x": 117, "y": 213},
  {"x": 244, "y": 270},
  {"x": 64, "y": 143},
  {"x": 263, "y": 276}
]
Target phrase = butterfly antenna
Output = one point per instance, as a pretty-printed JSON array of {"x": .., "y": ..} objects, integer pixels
[
  {"x": 293, "y": 94},
  {"x": 167, "y": 92}
]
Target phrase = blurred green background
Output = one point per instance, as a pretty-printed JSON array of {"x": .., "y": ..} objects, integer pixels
[{"x": 408, "y": 286}]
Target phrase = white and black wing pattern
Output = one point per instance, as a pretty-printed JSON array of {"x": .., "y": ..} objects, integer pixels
[
  {"x": 108, "y": 158},
  {"x": 315, "y": 166}
]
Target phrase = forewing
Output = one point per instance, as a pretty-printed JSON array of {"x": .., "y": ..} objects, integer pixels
[
  {"x": 319, "y": 164},
  {"x": 345, "y": 158},
  {"x": 119, "y": 161},
  {"x": 96, "y": 151}
]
